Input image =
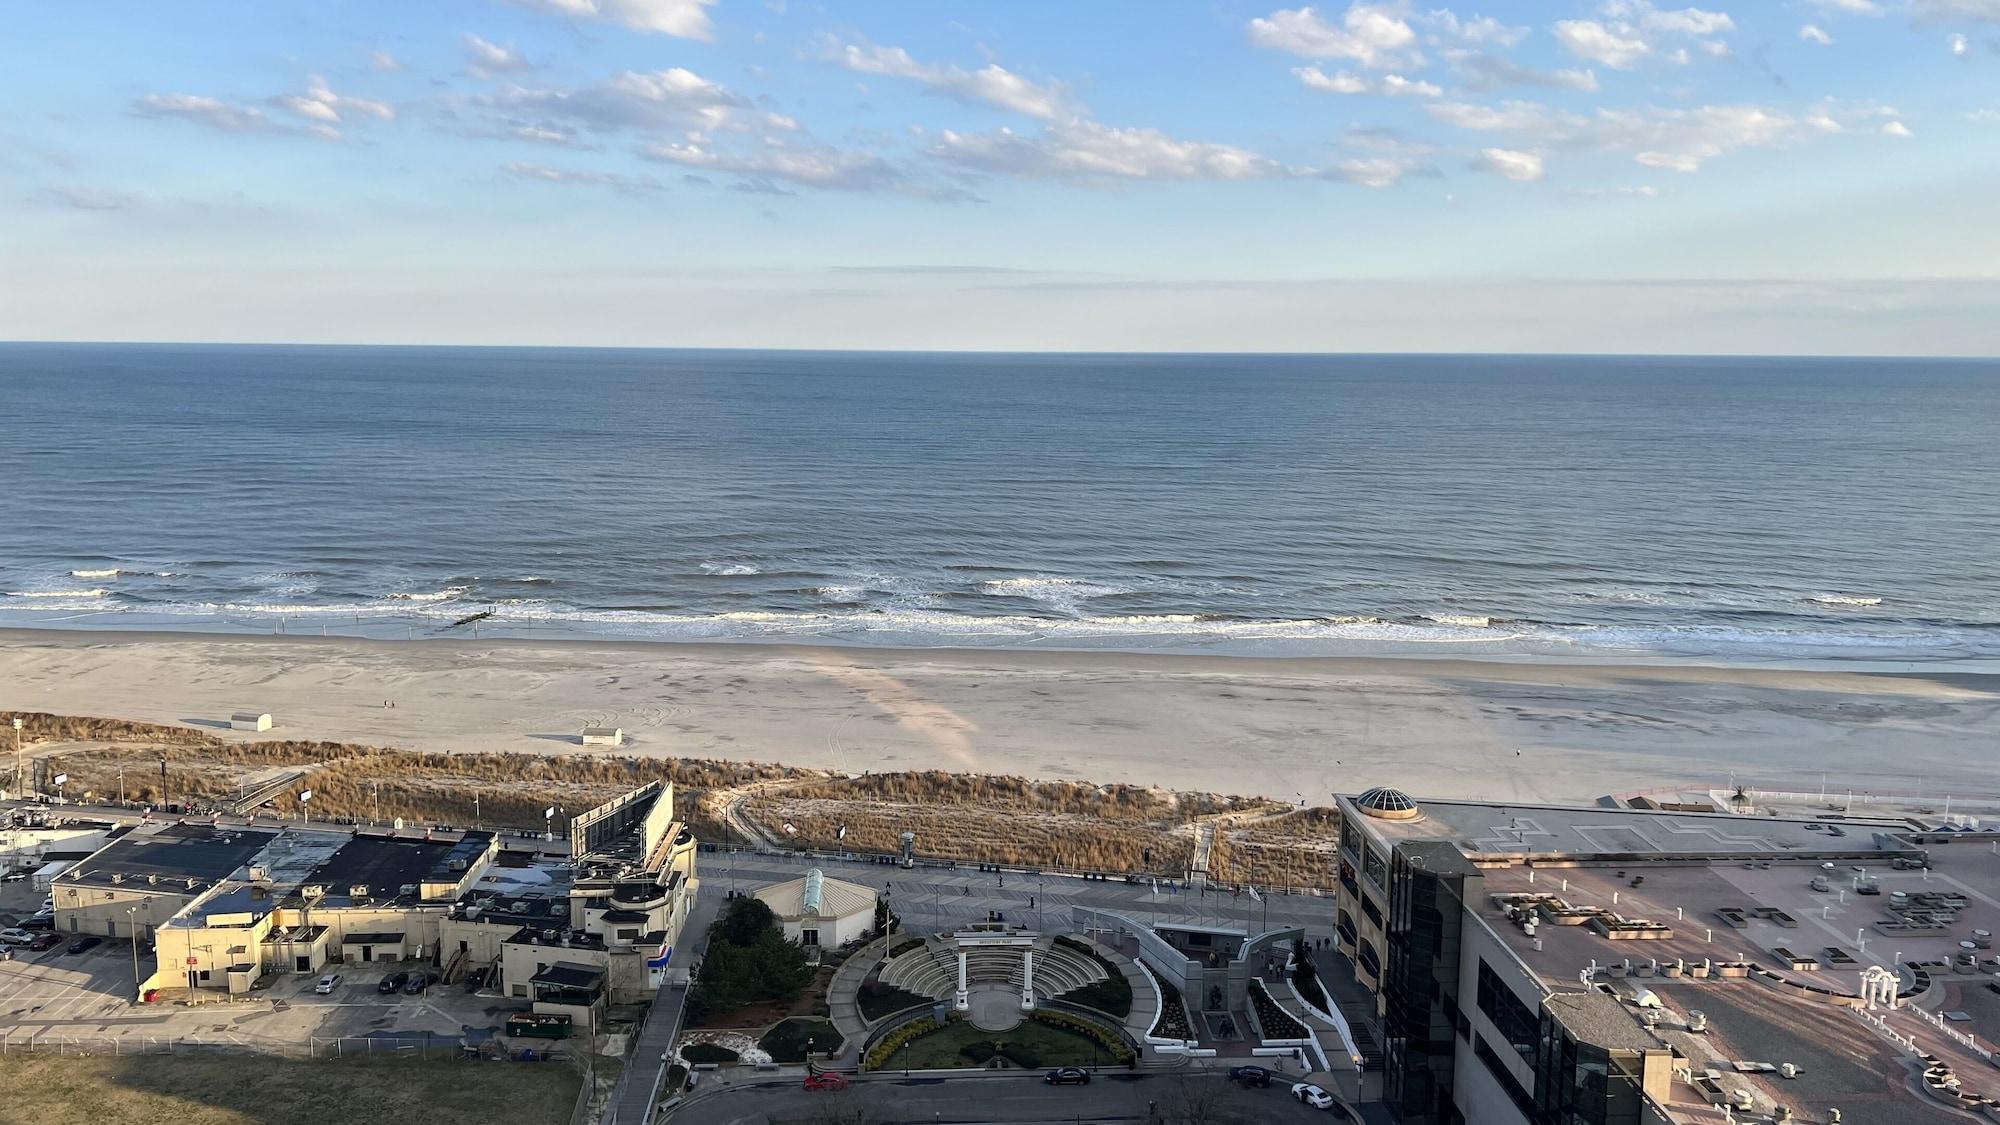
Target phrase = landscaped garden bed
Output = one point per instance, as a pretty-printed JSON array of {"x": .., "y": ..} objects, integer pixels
[
  {"x": 1048, "y": 1039},
  {"x": 1276, "y": 1022}
]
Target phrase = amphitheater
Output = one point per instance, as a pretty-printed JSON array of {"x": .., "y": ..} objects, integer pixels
[{"x": 932, "y": 968}]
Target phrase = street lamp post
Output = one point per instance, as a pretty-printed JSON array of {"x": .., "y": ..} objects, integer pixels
[
  {"x": 132, "y": 912},
  {"x": 20, "y": 763},
  {"x": 375, "y": 802}
]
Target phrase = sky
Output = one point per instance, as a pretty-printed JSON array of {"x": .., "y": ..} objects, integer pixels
[{"x": 1777, "y": 176}]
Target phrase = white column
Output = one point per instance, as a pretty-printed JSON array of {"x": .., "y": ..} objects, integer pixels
[
  {"x": 1028, "y": 978},
  {"x": 959, "y": 1001}
]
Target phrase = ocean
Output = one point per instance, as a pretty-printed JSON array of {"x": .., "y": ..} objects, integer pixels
[{"x": 1495, "y": 506}]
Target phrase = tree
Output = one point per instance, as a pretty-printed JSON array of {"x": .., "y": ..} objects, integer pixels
[
  {"x": 749, "y": 959},
  {"x": 1192, "y": 1103}
]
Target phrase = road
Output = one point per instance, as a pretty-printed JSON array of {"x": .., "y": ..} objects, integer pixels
[{"x": 1014, "y": 1099}]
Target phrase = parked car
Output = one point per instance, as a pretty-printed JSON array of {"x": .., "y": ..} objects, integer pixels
[
  {"x": 15, "y": 935},
  {"x": 417, "y": 983},
  {"x": 1250, "y": 1075},
  {"x": 1318, "y": 1098},
  {"x": 826, "y": 1080},
  {"x": 327, "y": 984},
  {"x": 394, "y": 982},
  {"x": 1067, "y": 1076},
  {"x": 45, "y": 942},
  {"x": 85, "y": 944},
  {"x": 16, "y": 876},
  {"x": 38, "y": 922}
]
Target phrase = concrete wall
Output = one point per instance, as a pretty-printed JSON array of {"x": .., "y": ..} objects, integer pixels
[
  {"x": 1478, "y": 942},
  {"x": 83, "y": 909}
]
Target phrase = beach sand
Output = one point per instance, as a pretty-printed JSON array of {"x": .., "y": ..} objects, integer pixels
[{"x": 1282, "y": 728}]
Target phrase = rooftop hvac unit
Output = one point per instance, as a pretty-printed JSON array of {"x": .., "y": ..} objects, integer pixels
[
  {"x": 259, "y": 873},
  {"x": 472, "y": 913},
  {"x": 357, "y": 890},
  {"x": 558, "y": 908},
  {"x": 117, "y": 876},
  {"x": 407, "y": 889}
]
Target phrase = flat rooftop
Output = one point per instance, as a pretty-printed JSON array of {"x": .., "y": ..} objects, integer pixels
[
  {"x": 1582, "y": 831},
  {"x": 1834, "y": 935},
  {"x": 174, "y": 853},
  {"x": 387, "y": 864}
]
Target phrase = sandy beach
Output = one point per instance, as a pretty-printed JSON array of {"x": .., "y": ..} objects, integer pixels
[{"x": 1283, "y": 728}]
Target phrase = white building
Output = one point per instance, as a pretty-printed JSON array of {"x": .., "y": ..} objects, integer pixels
[
  {"x": 250, "y": 720},
  {"x": 604, "y": 736},
  {"x": 816, "y": 910}
]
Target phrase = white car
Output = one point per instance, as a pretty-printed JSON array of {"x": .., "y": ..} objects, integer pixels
[
  {"x": 15, "y": 936},
  {"x": 327, "y": 984},
  {"x": 1318, "y": 1098}
]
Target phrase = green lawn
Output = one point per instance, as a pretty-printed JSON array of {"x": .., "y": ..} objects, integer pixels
[
  {"x": 246, "y": 1089},
  {"x": 1032, "y": 1044}
]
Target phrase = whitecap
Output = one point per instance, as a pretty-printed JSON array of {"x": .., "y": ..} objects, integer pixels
[
  {"x": 96, "y": 593},
  {"x": 1462, "y": 620},
  {"x": 730, "y": 570},
  {"x": 108, "y": 572},
  {"x": 443, "y": 595},
  {"x": 1844, "y": 599}
]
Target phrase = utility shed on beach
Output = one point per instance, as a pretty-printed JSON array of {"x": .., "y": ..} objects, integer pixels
[
  {"x": 250, "y": 720},
  {"x": 604, "y": 736}
]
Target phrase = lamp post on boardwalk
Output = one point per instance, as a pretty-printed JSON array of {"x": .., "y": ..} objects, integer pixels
[
  {"x": 132, "y": 912},
  {"x": 20, "y": 763}
]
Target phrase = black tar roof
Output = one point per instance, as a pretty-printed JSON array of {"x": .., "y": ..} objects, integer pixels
[
  {"x": 386, "y": 864},
  {"x": 568, "y": 974},
  {"x": 176, "y": 852}
]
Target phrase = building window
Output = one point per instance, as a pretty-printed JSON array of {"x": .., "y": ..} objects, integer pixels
[
  {"x": 1520, "y": 1026},
  {"x": 1522, "y": 1100},
  {"x": 520, "y": 990},
  {"x": 1376, "y": 868},
  {"x": 808, "y": 937},
  {"x": 1373, "y": 911},
  {"x": 1343, "y": 925},
  {"x": 1369, "y": 962},
  {"x": 628, "y": 934}
]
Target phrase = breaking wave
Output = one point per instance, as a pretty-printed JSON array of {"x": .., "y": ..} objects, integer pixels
[{"x": 1844, "y": 599}]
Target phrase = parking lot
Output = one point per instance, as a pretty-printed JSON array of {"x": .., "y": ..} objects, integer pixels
[{"x": 56, "y": 994}]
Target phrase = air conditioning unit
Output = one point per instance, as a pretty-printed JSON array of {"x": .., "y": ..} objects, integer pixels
[{"x": 358, "y": 890}]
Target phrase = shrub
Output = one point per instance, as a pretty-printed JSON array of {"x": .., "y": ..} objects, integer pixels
[
  {"x": 981, "y": 1052},
  {"x": 1276, "y": 1022},
  {"x": 1173, "y": 1022},
  {"x": 749, "y": 959},
  {"x": 1107, "y": 1040},
  {"x": 896, "y": 1040}
]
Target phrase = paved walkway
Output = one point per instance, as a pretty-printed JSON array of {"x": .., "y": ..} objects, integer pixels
[
  {"x": 633, "y": 1099},
  {"x": 1145, "y": 997},
  {"x": 842, "y": 1007}
]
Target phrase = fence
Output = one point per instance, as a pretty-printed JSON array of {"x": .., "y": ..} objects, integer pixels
[{"x": 316, "y": 1047}]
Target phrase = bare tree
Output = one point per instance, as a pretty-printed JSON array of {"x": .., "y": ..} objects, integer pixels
[{"x": 1193, "y": 1102}]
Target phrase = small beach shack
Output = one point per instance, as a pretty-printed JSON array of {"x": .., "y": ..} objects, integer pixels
[
  {"x": 250, "y": 720},
  {"x": 604, "y": 736}
]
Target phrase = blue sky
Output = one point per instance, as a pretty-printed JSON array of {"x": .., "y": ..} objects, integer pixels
[{"x": 1563, "y": 175}]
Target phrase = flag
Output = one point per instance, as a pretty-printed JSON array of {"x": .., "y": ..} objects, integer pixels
[{"x": 1254, "y": 896}]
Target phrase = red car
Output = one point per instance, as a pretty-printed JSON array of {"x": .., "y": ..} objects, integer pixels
[
  {"x": 46, "y": 942},
  {"x": 827, "y": 1081}
]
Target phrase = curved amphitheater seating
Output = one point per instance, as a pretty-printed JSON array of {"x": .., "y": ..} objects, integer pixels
[{"x": 933, "y": 970}]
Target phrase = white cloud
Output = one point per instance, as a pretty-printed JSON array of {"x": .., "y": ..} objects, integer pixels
[
  {"x": 1683, "y": 21},
  {"x": 1374, "y": 171},
  {"x": 1372, "y": 35},
  {"x": 683, "y": 19},
  {"x": 494, "y": 58},
  {"x": 1510, "y": 164},
  {"x": 991, "y": 84},
  {"x": 543, "y": 173},
  {"x": 383, "y": 60},
  {"x": 636, "y": 100},
  {"x": 1086, "y": 151},
  {"x": 319, "y": 103},
  {"x": 813, "y": 166},
  {"x": 1483, "y": 72},
  {"x": 211, "y": 112},
  {"x": 1959, "y": 44},
  {"x": 1679, "y": 140},
  {"x": 1977, "y": 11},
  {"x": 1813, "y": 34},
  {"x": 1589, "y": 39},
  {"x": 1389, "y": 85},
  {"x": 1849, "y": 7},
  {"x": 1984, "y": 115},
  {"x": 1480, "y": 29},
  {"x": 1896, "y": 129}
]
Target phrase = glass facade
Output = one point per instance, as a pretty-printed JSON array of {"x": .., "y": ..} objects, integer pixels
[
  {"x": 1420, "y": 986},
  {"x": 1578, "y": 1083},
  {"x": 1516, "y": 1022}
]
